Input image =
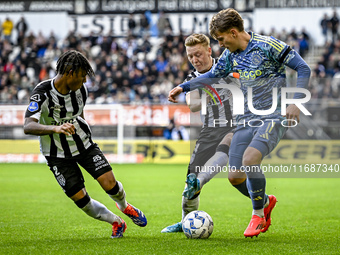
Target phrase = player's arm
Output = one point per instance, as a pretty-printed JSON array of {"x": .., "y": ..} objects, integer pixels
[
  {"x": 283, "y": 53},
  {"x": 193, "y": 100},
  {"x": 303, "y": 75},
  {"x": 220, "y": 70},
  {"x": 32, "y": 127}
]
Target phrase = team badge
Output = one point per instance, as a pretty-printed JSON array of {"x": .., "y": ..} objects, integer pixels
[
  {"x": 33, "y": 107},
  {"x": 256, "y": 60},
  {"x": 35, "y": 97}
]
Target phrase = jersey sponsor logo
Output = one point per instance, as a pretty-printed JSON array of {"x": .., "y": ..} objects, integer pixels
[
  {"x": 96, "y": 158},
  {"x": 79, "y": 99},
  {"x": 35, "y": 97},
  {"x": 61, "y": 180},
  {"x": 57, "y": 107},
  {"x": 56, "y": 123},
  {"x": 249, "y": 75},
  {"x": 33, "y": 107}
]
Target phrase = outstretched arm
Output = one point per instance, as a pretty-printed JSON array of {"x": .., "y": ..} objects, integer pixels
[
  {"x": 32, "y": 127},
  {"x": 304, "y": 71}
]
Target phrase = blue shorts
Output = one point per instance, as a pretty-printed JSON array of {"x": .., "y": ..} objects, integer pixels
[{"x": 264, "y": 138}]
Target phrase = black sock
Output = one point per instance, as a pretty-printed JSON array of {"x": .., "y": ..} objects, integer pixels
[{"x": 243, "y": 188}]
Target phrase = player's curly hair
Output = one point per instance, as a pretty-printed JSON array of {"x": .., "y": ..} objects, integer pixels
[
  {"x": 224, "y": 20},
  {"x": 73, "y": 60},
  {"x": 195, "y": 39}
]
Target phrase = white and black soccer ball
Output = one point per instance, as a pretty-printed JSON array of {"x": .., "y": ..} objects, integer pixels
[{"x": 197, "y": 225}]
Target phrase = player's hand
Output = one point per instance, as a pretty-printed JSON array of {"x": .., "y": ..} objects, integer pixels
[
  {"x": 66, "y": 128},
  {"x": 292, "y": 112},
  {"x": 174, "y": 93}
]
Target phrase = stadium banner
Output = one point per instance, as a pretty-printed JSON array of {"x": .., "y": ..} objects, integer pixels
[
  {"x": 135, "y": 151},
  {"x": 139, "y": 6},
  {"x": 139, "y": 115},
  {"x": 297, "y": 153},
  {"x": 118, "y": 23}
]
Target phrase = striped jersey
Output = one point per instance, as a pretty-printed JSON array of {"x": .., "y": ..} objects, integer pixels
[
  {"x": 215, "y": 111},
  {"x": 261, "y": 67},
  {"x": 50, "y": 107}
]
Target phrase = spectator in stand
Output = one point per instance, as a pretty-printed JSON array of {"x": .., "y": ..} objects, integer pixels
[
  {"x": 334, "y": 21},
  {"x": 132, "y": 24},
  {"x": 324, "y": 26},
  {"x": 21, "y": 28},
  {"x": 7, "y": 28},
  {"x": 144, "y": 25}
]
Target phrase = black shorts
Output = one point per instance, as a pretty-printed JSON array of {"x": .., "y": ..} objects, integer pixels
[
  {"x": 68, "y": 173},
  {"x": 205, "y": 147}
]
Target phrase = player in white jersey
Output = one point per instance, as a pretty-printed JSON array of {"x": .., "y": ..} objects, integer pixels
[
  {"x": 212, "y": 146},
  {"x": 55, "y": 114}
]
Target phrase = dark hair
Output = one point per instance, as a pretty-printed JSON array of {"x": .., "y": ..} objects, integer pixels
[
  {"x": 73, "y": 60},
  {"x": 224, "y": 20}
]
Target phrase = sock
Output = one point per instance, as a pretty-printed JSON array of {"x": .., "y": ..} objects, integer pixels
[
  {"x": 266, "y": 203},
  {"x": 256, "y": 183},
  {"x": 97, "y": 210},
  {"x": 117, "y": 193},
  {"x": 214, "y": 165},
  {"x": 243, "y": 188},
  {"x": 189, "y": 205}
]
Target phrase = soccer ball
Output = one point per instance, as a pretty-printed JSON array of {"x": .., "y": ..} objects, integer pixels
[{"x": 197, "y": 225}]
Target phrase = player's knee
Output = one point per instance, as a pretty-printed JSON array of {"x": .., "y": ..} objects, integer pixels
[
  {"x": 250, "y": 159},
  {"x": 107, "y": 180},
  {"x": 82, "y": 202},
  {"x": 235, "y": 181},
  {"x": 227, "y": 139}
]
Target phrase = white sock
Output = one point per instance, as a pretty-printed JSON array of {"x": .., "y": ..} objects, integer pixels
[
  {"x": 99, "y": 211},
  {"x": 119, "y": 198},
  {"x": 267, "y": 202},
  {"x": 259, "y": 213},
  {"x": 189, "y": 205},
  {"x": 213, "y": 166}
]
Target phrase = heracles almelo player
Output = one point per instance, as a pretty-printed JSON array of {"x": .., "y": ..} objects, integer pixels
[
  {"x": 211, "y": 149},
  {"x": 55, "y": 114}
]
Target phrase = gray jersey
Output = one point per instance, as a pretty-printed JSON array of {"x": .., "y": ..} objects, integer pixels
[{"x": 50, "y": 107}]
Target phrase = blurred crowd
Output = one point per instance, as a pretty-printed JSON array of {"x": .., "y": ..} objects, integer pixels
[
  {"x": 325, "y": 82},
  {"x": 139, "y": 69}
]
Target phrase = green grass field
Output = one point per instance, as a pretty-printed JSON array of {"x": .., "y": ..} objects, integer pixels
[{"x": 37, "y": 218}]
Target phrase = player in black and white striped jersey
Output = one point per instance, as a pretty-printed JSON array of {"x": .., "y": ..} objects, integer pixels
[
  {"x": 215, "y": 111},
  {"x": 212, "y": 146},
  {"x": 55, "y": 114}
]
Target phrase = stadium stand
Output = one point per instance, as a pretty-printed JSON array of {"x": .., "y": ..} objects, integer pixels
[{"x": 138, "y": 69}]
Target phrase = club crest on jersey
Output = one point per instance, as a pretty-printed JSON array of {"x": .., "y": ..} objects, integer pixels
[
  {"x": 256, "y": 60},
  {"x": 33, "y": 106},
  {"x": 35, "y": 97}
]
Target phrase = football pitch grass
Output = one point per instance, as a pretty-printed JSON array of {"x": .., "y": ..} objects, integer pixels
[{"x": 37, "y": 218}]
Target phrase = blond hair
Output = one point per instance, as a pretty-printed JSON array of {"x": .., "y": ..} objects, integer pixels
[
  {"x": 224, "y": 20},
  {"x": 195, "y": 39}
]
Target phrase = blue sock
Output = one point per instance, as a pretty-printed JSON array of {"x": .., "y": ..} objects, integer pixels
[{"x": 256, "y": 183}]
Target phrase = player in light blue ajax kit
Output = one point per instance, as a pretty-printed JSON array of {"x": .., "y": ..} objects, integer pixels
[{"x": 260, "y": 61}]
